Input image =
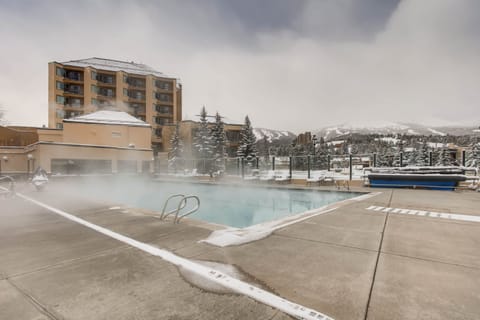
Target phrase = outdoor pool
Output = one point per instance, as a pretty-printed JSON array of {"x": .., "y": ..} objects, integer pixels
[{"x": 230, "y": 205}]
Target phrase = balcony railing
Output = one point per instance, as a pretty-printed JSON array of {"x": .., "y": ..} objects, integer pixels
[
  {"x": 74, "y": 91},
  {"x": 76, "y": 76},
  {"x": 136, "y": 83}
]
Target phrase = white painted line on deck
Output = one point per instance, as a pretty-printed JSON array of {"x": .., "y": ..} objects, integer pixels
[
  {"x": 238, "y": 286},
  {"x": 431, "y": 214}
]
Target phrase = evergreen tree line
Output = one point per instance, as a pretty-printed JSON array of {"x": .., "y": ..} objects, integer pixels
[{"x": 210, "y": 145}]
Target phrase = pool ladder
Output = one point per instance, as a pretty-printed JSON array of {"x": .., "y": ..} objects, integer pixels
[{"x": 181, "y": 204}]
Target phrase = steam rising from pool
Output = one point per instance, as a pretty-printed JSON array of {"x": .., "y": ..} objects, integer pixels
[{"x": 231, "y": 205}]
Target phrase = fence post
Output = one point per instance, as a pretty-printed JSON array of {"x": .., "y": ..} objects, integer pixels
[
  {"x": 273, "y": 163},
  {"x": 328, "y": 162},
  {"x": 238, "y": 166},
  {"x": 256, "y": 165},
  {"x": 463, "y": 158},
  {"x": 430, "y": 158},
  {"x": 374, "y": 160},
  {"x": 243, "y": 167},
  {"x": 308, "y": 166},
  {"x": 401, "y": 159},
  {"x": 290, "y": 166},
  {"x": 350, "y": 161}
]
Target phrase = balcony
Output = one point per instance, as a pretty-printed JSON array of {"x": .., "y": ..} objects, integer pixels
[
  {"x": 135, "y": 82},
  {"x": 139, "y": 112},
  {"x": 166, "y": 98},
  {"x": 104, "y": 92},
  {"x": 159, "y": 121},
  {"x": 75, "y": 92},
  {"x": 73, "y": 75},
  {"x": 164, "y": 110},
  {"x": 136, "y": 97},
  {"x": 104, "y": 79},
  {"x": 164, "y": 85}
]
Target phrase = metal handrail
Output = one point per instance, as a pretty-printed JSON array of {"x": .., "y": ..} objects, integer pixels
[
  {"x": 166, "y": 214},
  {"x": 184, "y": 201},
  {"x": 11, "y": 186}
]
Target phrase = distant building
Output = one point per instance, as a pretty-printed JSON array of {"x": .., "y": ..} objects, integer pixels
[
  {"x": 188, "y": 129},
  {"x": 304, "y": 138},
  {"x": 102, "y": 142},
  {"x": 80, "y": 87}
]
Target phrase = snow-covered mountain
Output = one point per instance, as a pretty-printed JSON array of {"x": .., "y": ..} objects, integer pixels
[
  {"x": 386, "y": 127},
  {"x": 273, "y": 135}
]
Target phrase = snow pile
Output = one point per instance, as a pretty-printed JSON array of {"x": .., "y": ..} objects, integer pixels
[
  {"x": 109, "y": 117},
  {"x": 206, "y": 284}
]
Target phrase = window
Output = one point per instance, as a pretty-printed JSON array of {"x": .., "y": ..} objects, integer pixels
[
  {"x": 94, "y": 75},
  {"x": 60, "y": 72},
  {"x": 94, "y": 88},
  {"x": 125, "y": 78},
  {"x": 59, "y": 126},
  {"x": 60, "y": 100},
  {"x": 125, "y": 92},
  {"x": 60, "y": 113},
  {"x": 95, "y": 102},
  {"x": 60, "y": 85},
  {"x": 158, "y": 132}
]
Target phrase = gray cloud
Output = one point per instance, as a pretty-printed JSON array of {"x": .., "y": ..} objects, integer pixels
[{"x": 294, "y": 65}]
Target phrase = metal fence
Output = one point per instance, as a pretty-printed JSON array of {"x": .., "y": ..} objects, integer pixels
[{"x": 346, "y": 166}]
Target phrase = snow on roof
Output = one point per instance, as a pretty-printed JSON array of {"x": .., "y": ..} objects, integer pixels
[
  {"x": 115, "y": 65},
  {"x": 109, "y": 117}
]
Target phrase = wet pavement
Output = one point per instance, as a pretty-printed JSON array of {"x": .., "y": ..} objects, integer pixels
[{"x": 350, "y": 263}]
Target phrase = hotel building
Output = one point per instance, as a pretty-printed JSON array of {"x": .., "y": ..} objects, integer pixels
[{"x": 81, "y": 87}]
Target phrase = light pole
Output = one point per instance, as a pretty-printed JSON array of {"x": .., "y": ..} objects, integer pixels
[{"x": 29, "y": 159}]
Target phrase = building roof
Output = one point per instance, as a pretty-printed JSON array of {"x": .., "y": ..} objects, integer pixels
[
  {"x": 109, "y": 117},
  {"x": 115, "y": 65}
]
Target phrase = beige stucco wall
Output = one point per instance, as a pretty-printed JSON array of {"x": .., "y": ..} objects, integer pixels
[
  {"x": 106, "y": 135},
  {"x": 13, "y": 160},
  {"x": 50, "y": 135}
]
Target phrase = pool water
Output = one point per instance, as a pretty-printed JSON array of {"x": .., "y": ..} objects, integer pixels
[{"x": 235, "y": 206}]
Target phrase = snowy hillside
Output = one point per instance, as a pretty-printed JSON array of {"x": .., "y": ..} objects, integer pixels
[
  {"x": 273, "y": 135},
  {"x": 385, "y": 128}
]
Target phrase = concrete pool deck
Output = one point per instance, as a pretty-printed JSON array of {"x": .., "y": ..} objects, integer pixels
[{"x": 351, "y": 263}]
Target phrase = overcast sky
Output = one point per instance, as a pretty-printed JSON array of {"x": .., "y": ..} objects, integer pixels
[{"x": 294, "y": 65}]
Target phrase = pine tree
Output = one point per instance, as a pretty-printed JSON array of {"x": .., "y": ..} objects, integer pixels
[
  {"x": 473, "y": 157},
  {"x": 247, "y": 148},
  {"x": 419, "y": 156},
  {"x": 219, "y": 143},
  {"x": 444, "y": 158},
  {"x": 265, "y": 149},
  {"x": 176, "y": 160},
  {"x": 413, "y": 157},
  {"x": 203, "y": 145},
  {"x": 382, "y": 159},
  {"x": 423, "y": 156}
]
